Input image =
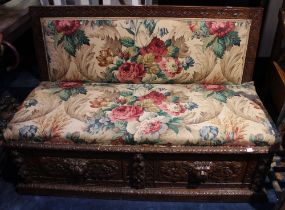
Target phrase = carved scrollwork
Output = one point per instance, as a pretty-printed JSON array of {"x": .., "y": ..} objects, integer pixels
[
  {"x": 81, "y": 170},
  {"x": 197, "y": 172},
  {"x": 183, "y": 171},
  {"x": 226, "y": 171},
  {"x": 104, "y": 169},
  {"x": 174, "y": 171},
  {"x": 138, "y": 171}
]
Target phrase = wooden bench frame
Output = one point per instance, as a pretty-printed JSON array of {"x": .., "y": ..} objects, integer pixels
[{"x": 219, "y": 173}]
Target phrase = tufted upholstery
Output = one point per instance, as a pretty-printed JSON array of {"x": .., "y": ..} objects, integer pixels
[{"x": 160, "y": 114}]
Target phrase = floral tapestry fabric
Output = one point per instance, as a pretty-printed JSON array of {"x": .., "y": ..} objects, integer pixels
[
  {"x": 136, "y": 50},
  {"x": 129, "y": 114}
]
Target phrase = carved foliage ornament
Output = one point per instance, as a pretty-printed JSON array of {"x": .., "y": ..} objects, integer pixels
[{"x": 199, "y": 171}]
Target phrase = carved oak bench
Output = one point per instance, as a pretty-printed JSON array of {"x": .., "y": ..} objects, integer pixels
[{"x": 144, "y": 102}]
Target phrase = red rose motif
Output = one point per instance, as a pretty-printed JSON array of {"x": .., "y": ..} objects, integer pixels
[
  {"x": 153, "y": 127},
  {"x": 193, "y": 27},
  {"x": 124, "y": 55},
  {"x": 131, "y": 72},
  {"x": 118, "y": 141},
  {"x": 155, "y": 96},
  {"x": 155, "y": 47},
  {"x": 66, "y": 27},
  {"x": 220, "y": 29},
  {"x": 121, "y": 100},
  {"x": 174, "y": 109},
  {"x": 126, "y": 113},
  {"x": 69, "y": 85},
  {"x": 216, "y": 88},
  {"x": 170, "y": 66}
]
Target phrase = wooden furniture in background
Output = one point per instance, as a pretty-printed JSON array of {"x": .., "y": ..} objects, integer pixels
[{"x": 14, "y": 18}]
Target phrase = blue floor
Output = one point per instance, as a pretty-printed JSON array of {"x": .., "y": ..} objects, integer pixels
[{"x": 10, "y": 200}]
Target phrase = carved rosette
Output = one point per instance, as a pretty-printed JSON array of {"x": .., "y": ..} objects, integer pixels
[
  {"x": 138, "y": 171},
  {"x": 77, "y": 167}
]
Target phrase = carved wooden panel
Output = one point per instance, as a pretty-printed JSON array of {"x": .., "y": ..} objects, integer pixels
[
  {"x": 227, "y": 171},
  {"x": 173, "y": 171},
  {"x": 150, "y": 174},
  {"x": 201, "y": 171},
  {"x": 251, "y": 165},
  {"x": 109, "y": 171},
  {"x": 75, "y": 170},
  {"x": 138, "y": 172}
]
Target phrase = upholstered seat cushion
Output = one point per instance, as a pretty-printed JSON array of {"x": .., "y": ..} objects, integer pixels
[{"x": 159, "y": 114}]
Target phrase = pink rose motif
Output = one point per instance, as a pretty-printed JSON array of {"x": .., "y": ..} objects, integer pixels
[
  {"x": 131, "y": 72},
  {"x": 173, "y": 108},
  {"x": 124, "y": 55},
  {"x": 151, "y": 127},
  {"x": 155, "y": 96},
  {"x": 69, "y": 85},
  {"x": 67, "y": 27},
  {"x": 220, "y": 29},
  {"x": 121, "y": 100},
  {"x": 215, "y": 88},
  {"x": 193, "y": 27},
  {"x": 118, "y": 141},
  {"x": 126, "y": 113},
  {"x": 156, "y": 47},
  {"x": 170, "y": 66}
]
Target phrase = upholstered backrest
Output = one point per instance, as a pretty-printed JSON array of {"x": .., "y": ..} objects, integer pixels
[{"x": 199, "y": 47}]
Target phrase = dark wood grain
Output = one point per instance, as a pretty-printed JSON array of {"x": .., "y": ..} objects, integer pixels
[
  {"x": 167, "y": 176},
  {"x": 143, "y": 149}
]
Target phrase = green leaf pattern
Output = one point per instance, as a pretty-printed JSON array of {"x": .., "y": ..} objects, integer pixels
[
  {"x": 144, "y": 50},
  {"x": 71, "y": 41},
  {"x": 145, "y": 114}
]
